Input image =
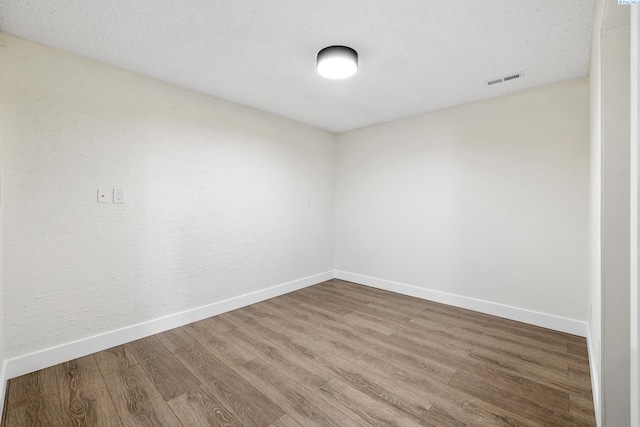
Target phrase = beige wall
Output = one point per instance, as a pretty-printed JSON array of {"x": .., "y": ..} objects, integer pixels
[
  {"x": 487, "y": 201},
  {"x": 615, "y": 225},
  {"x": 221, "y": 200}
]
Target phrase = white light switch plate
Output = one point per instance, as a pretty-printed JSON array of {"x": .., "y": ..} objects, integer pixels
[
  {"x": 104, "y": 196},
  {"x": 118, "y": 195}
]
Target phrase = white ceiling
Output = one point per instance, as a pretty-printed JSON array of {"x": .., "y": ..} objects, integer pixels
[{"x": 415, "y": 55}]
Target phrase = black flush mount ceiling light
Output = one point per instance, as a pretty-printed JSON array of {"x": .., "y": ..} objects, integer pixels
[{"x": 337, "y": 62}]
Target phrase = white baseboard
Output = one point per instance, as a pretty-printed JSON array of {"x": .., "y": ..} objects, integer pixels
[
  {"x": 544, "y": 320},
  {"x": 3, "y": 385},
  {"x": 595, "y": 377},
  {"x": 52, "y": 356}
]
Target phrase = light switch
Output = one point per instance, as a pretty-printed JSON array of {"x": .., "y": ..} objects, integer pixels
[
  {"x": 118, "y": 195},
  {"x": 104, "y": 196}
]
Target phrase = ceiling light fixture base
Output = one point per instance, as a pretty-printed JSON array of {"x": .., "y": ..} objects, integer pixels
[{"x": 337, "y": 62}]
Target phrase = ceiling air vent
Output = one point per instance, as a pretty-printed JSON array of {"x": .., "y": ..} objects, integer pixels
[{"x": 503, "y": 79}]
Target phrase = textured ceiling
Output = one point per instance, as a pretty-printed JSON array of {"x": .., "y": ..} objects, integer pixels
[{"x": 415, "y": 55}]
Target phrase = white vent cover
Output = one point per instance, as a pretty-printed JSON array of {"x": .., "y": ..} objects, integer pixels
[{"x": 503, "y": 79}]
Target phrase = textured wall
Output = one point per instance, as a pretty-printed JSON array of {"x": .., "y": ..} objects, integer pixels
[
  {"x": 487, "y": 200},
  {"x": 221, "y": 200}
]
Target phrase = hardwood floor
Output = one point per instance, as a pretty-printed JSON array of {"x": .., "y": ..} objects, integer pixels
[{"x": 335, "y": 354}]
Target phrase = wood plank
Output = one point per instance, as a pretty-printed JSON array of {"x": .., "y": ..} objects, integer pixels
[
  {"x": 305, "y": 330},
  {"x": 365, "y": 407},
  {"x": 297, "y": 349},
  {"x": 440, "y": 417},
  {"x": 243, "y": 319},
  {"x": 315, "y": 317},
  {"x": 578, "y": 349},
  {"x": 114, "y": 359},
  {"x": 3, "y": 421},
  {"x": 300, "y": 311},
  {"x": 377, "y": 346},
  {"x": 307, "y": 359},
  {"x": 273, "y": 327},
  {"x": 461, "y": 407},
  {"x": 579, "y": 376},
  {"x": 534, "y": 372},
  {"x": 445, "y": 352},
  {"x": 169, "y": 376},
  {"x": 581, "y": 408},
  {"x": 535, "y": 354},
  {"x": 304, "y": 407},
  {"x": 454, "y": 346},
  {"x": 395, "y": 317},
  {"x": 219, "y": 323},
  {"x": 344, "y": 295},
  {"x": 43, "y": 412},
  {"x": 246, "y": 403},
  {"x": 543, "y": 365},
  {"x": 84, "y": 396},
  {"x": 446, "y": 333},
  {"x": 400, "y": 364},
  {"x": 286, "y": 362},
  {"x": 385, "y": 390},
  {"x": 446, "y": 355},
  {"x": 260, "y": 310},
  {"x": 137, "y": 400},
  {"x": 419, "y": 310},
  {"x": 380, "y": 296},
  {"x": 175, "y": 339},
  {"x": 285, "y": 421},
  {"x": 536, "y": 339},
  {"x": 502, "y": 325},
  {"x": 519, "y": 383},
  {"x": 199, "y": 408},
  {"x": 32, "y": 388},
  {"x": 337, "y": 299},
  {"x": 475, "y": 412},
  {"x": 287, "y": 298},
  {"x": 528, "y": 407},
  {"x": 327, "y": 305},
  {"x": 218, "y": 343}
]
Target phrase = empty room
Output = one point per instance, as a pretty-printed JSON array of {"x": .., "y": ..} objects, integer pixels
[{"x": 336, "y": 213}]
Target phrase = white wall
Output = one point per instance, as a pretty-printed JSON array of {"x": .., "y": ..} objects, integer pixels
[
  {"x": 595, "y": 213},
  {"x": 614, "y": 100},
  {"x": 221, "y": 200},
  {"x": 486, "y": 201},
  {"x": 615, "y": 224}
]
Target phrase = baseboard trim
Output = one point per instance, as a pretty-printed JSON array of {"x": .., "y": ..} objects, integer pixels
[
  {"x": 562, "y": 324},
  {"x": 3, "y": 386},
  {"x": 52, "y": 356},
  {"x": 595, "y": 378}
]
